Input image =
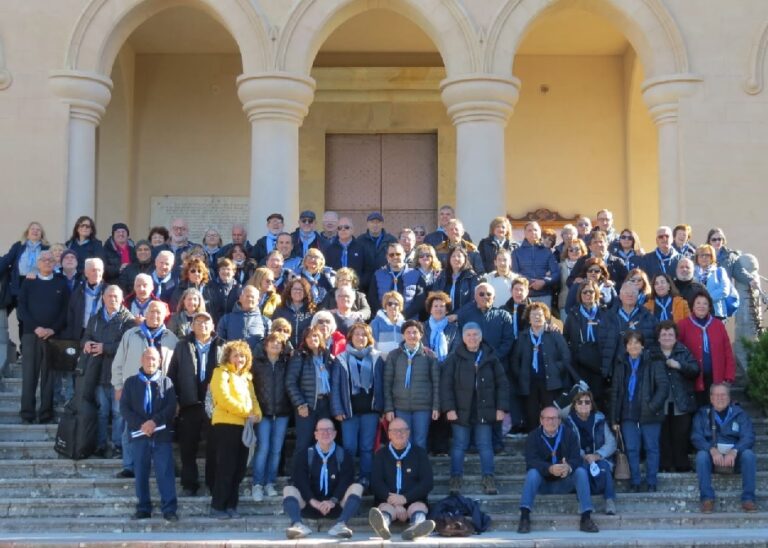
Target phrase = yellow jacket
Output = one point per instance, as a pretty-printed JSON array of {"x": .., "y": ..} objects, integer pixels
[
  {"x": 233, "y": 396},
  {"x": 680, "y": 309}
]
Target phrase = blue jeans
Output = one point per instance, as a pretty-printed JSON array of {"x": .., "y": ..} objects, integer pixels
[
  {"x": 746, "y": 462},
  {"x": 638, "y": 435},
  {"x": 105, "y": 400},
  {"x": 418, "y": 422},
  {"x": 359, "y": 434},
  {"x": 271, "y": 433},
  {"x": 125, "y": 436},
  {"x": 483, "y": 435},
  {"x": 148, "y": 451},
  {"x": 578, "y": 480}
]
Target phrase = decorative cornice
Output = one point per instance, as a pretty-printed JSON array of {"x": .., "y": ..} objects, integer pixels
[
  {"x": 86, "y": 93},
  {"x": 275, "y": 96},
  {"x": 474, "y": 37},
  {"x": 754, "y": 82},
  {"x": 663, "y": 93},
  {"x": 480, "y": 97}
]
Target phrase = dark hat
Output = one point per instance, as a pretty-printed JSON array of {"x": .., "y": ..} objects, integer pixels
[
  {"x": 308, "y": 214},
  {"x": 275, "y": 216},
  {"x": 65, "y": 253},
  {"x": 376, "y": 216},
  {"x": 118, "y": 226}
]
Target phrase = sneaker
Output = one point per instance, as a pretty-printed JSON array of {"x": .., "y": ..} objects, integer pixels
[
  {"x": 749, "y": 506},
  {"x": 421, "y": 529},
  {"x": 258, "y": 493},
  {"x": 524, "y": 525},
  {"x": 454, "y": 485},
  {"x": 219, "y": 514},
  {"x": 588, "y": 526},
  {"x": 270, "y": 490},
  {"x": 125, "y": 473},
  {"x": 171, "y": 517},
  {"x": 610, "y": 507},
  {"x": 298, "y": 530},
  {"x": 379, "y": 524},
  {"x": 138, "y": 514},
  {"x": 489, "y": 485},
  {"x": 340, "y": 530},
  {"x": 707, "y": 506}
]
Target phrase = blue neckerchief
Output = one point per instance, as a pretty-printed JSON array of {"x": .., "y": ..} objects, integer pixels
[
  {"x": 664, "y": 260},
  {"x": 141, "y": 308},
  {"x": 345, "y": 253},
  {"x": 663, "y": 307},
  {"x": 324, "y": 469},
  {"x": 720, "y": 422},
  {"x": 590, "y": 315},
  {"x": 202, "y": 357},
  {"x": 536, "y": 342},
  {"x": 438, "y": 342},
  {"x": 33, "y": 250},
  {"x": 399, "y": 464},
  {"x": 410, "y": 355},
  {"x": 395, "y": 277},
  {"x": 626, "y": 256},
  {"x": 322, "y": 372},
  {"x": 553, "y": 448},
  {"x": 477, "y": 365},
  {"x": 703, "y": 325},
  {"x": 94, "y": 294},
  {"x": 271, "y": 242},
  {"x": 108, "y": 317},
  {"x": 634, "y": 363},
  {"x": 631, "y": 315},
  {"x": 153, "y": 337},
  {"x": 514, "y": 320},
  {"x": 314, "y": 285},
  {"x": 453, "y": 291},
  {"x": 148, "y": 389},
  {"x": 306, "y": 241},
  {"x": 159, "y": 283}
]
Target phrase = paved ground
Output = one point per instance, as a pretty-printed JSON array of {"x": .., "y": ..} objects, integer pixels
[{"x": 682, "y": 537}]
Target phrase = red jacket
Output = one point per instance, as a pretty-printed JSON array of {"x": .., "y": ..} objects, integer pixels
[{"x": 723, "y": 363}]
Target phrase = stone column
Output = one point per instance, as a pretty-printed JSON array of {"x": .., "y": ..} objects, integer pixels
[
  {"x": 87, "y": 95},
  {"x": 479, "y": 106},
  {"x": 276, "y": 104},
  {"x": 662, "y": 95}
]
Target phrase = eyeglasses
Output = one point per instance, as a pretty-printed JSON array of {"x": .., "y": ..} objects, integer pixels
[
  {"x": 588, "y": 292},
  {"x": 195, "y": 271},
  {"x": 393, "y": 303},
  {"x": 574, "y": 249},
  {"x": 583, "y": 402},
  {"x": 307, "y": 221},
  {"x": 715, "y": 239},
  {"x": 85, "y": 225},
  {"x": 399, "y": 430},
  {"x": 626, "y": 237},
  {"x": 594, "y": 271},
  {"x": 343, "y": 227},
  {"x": 178, "y": 228},
  {"x": 484, "y": 294},
  {"x": 394, "y": 254},
  {"x": 419, "y": 233},
  {"x": 325, "y": 430},
  {"x": 582, "y": 224},
  {"x": 425, "y": 255}
]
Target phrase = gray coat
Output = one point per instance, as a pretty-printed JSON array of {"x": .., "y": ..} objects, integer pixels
[{"x": 423, "y": 393}]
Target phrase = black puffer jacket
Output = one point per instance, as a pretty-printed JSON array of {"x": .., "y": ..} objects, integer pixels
[
  {"x": 423, "y": 393},
  {"x": 269, "y": 383},
  {"x": 681, "y": 381},
  {"x": 652, "y": 387},
  {"x": 112, "y": 260},
  {"x": 300, "y": 380},
  {"x": 599, "y": 356},
  {"x": 554, "y": 356},
  {"x": 98, "y": 369},
  {"x": 461, "y": 387},
  {"x": 184, "y": 367}
]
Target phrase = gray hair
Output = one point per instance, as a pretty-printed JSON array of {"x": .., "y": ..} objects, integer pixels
[
  {"x": 93, "y": 262},
  {"x": 145, "y": 277},
  {"x": 323, "y": 315},
  {"x": 168, "y": 254}
]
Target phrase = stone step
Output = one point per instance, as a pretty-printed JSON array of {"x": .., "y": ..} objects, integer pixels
[
  {"x": 114, "y": 506},
  {"x": 28, "y": 432}
]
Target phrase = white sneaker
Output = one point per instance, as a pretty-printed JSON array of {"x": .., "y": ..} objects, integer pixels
[
  {"x": 340, "y": 530},
  {"x": 298, "y": 530},
  {"x": 270, "y": 490},
  {"x": 258, "y": 493}
]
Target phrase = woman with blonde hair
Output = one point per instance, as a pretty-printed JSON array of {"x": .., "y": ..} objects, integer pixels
[
  {"x": 264, "y": 280},
  {"x": 21, "y": 261},
  {"x": 715, "y": 278},
  {"x": 499, "y": 237},
  {"x": 234, "y": 402}
]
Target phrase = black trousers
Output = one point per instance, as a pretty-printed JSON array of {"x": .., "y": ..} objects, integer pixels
[
  {"x": 33, "y": 369},
  {"x": 675, "y": 436},
  {"x": 538, "y": 398},
  {"x": 231, "y": 457},
  {"x": 193, "y": 427}
]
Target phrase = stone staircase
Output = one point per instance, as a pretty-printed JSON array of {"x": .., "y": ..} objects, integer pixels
[{"x": 42, "y": 492}]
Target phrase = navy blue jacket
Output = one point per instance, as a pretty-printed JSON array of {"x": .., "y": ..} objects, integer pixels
[
  {"x": 223, "y": 299},
  {"x": 92, "y": 248},
  {"x": 489, "y": 248},
  {"x": 537, "y": 262},
  {"x": 554, "y": 357},
  {"x": 643, "y": 320},
  {"x": 539, "y": 457},
  {"x": 76, "y": 310},
  {"x": 298, "y": 247},
  {"x": 737, "y": 429},
  {"x": 410, "y": 284},
  {"x": 251, "y": 327},
  {"x": 417, "y": 477},
  {"x": 652, "y": 389},
  {"x": 300, "y": 381},
  {"x": 597, "y": 357},
  {"x": 376, "y": 254},
  {"x": 356, "y": 259},
  {"x": 163, "y": 408},
  {"x": 496, "y": 323},
  {"x": 299, "y": 320},
  {"x": 341, "y": 391},
  {"x": 465, "y": 288},
  {"x": 651, "y": 265}
]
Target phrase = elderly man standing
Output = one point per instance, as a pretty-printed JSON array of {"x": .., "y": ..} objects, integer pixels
[
  {"x": 454, "y": 232},
  {"x": 239, "y": 237},
  {"x": 376, "y": 241},
  {"x": 322, "y": 485},
  {"x": 662, "y": 260},
  {"x": 268, "y": 243},
  {"x": 396, "y": 276},
  {"x": 163, "y": 277},
  {"x": 724, "y": 438},
  {"x": 306, "y": 237},
  {"x": 553, "y": 461},
  {"x": 401, "y": 482},
  {"x": 445, "y": 214},
  {"x": 179, "y": 239},
  {"x": 330, "y": 224},
  {"x": 537, "y": 264},
  {"x": 43, "y": 313},
  {"x": 344, "y": 251}
]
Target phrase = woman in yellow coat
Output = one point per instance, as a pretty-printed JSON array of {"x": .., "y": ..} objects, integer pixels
[{"x": 234, "y": 402}]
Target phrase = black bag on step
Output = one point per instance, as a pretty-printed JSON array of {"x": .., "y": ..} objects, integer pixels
[{"x": 76, "y": 435}]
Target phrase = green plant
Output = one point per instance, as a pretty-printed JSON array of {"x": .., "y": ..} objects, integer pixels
[{"x": 757, "y": 370}]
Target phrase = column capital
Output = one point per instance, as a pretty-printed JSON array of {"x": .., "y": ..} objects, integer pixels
[
  {"x": 87, "y": 93},
  {"x": 480, "y": 97},
  {"x": 662, "y": 94},
  {"x": 281, "y": 96}
]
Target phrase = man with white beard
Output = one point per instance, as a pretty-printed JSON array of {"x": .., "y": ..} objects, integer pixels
[{"x": 684, "y": 281}]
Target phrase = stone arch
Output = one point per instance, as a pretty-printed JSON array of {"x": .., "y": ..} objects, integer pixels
[
  {"x": 647, "y": 24},
  {"x": 445, "y": 21},
  {"x": 105, "y": 25}
]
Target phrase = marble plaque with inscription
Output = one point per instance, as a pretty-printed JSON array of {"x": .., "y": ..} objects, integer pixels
[{"x": 201, "y": 213}]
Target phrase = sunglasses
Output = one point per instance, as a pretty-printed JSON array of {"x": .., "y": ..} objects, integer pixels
[
  {"x": 307, "y": 221},
  {"x": 393, "y": 303},
  {"x": 343, "y": 227},
  {"x": 394, "y": 254},
  {"x": 425, "y": 255},
  {"x": 588, "y": 292},
  {"x": 419, "y": 233},
  {"x": 195, "y": 271},
  {"x": 324, "y": 321},
  {"x": 715, "y": 239},
  {"x": 594, "y": 271},
  {"x": 626, "y": 237},
  {"x": 484, "y": 294},
  {"x": 662, "y": 236},
  {"x": 574, "y": 249}
]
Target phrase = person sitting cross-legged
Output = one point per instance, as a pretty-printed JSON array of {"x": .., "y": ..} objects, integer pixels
[
  {"x": 401, "y": 482},
  {"x": 553, "y": 459},
  {"x": 322, "y": 485}
]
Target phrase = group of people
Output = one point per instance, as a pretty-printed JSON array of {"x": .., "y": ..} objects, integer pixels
[{"x": 450, "y": 344}]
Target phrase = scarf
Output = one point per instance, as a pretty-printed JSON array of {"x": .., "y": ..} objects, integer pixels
[
  {"x": 634, "y": 363},
  {"x": 271, "y": 243},
  {"x": 664, "y": 260},
  {"x": 306, "y": 241},
  {"x": 586, "y": 429},
  {"x": 553, "y": 448},
  {"x": 148, "y": 389},
  {"x": 721, "y": 421},
  {"x": 324, "y": 469},
  {"x": 202, "y": 357},
  {"x": 108, "y": 317},
  {"x": 322, "y": 380},
  {"x": 124, "y": 252},
  {"x": 153, "y": 337},
  {"x": 514, "y": 320},
  {"x": 536, "y": 342},
  {"x": 662, "y": 307},
  {"x": 453, "y": 290},
  {"x": 399, "y": 464},
  {"x": 31, "y": 252},
  {"x": 438, "y": 342},
  {"x": 159, "y": 283},
  {"x": 410, "y": 355},
  {"x": 429, "y": 277},
  {"x": 625, "y": 256},
  {"x": 590, "y": 315},
  {"x": 396, "y": 276},
  {"x": 92, "y": 295},
  {"x": 628, "y": 317},
  {"x": 703, "y": 324},
  {"x": 361, "y": 371},
  {"x": 318, "y": 293},
  {"x": 703, "y": 273},
  {"x": 140, "y": 308}
]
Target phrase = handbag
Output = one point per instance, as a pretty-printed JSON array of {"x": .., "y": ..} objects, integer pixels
[
  {"x": 621, "y": 469},
  {"x": 566, "y": 396},
  {"x": 454, "y": 526},
  {"x": 61, "y": 354}
]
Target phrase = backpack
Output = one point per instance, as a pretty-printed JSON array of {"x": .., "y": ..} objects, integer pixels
[
  {"x": 76, "y": 433},
  {"x": 732, "y": 300}
]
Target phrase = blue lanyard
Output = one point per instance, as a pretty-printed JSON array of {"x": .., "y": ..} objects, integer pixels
[
  {"x": 553, "y": 448},
  {"x": 399, "y": 464}
]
